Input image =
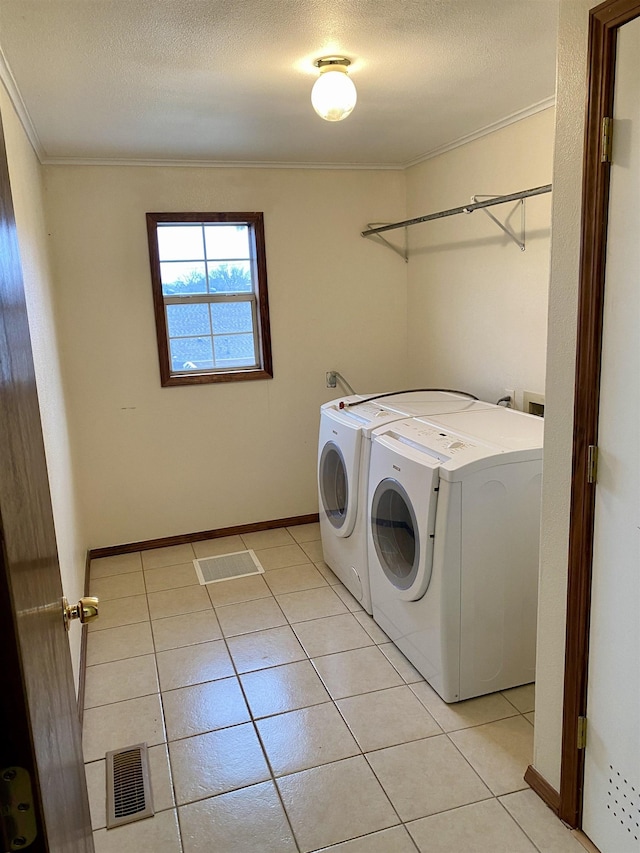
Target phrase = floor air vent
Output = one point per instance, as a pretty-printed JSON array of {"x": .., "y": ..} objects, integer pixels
[
  {"x": 128, "y": 785},
  {"x": 227, "y": 566}
]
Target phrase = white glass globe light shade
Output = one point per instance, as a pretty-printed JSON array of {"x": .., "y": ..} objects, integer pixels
[{"x": 333, "y": 95}]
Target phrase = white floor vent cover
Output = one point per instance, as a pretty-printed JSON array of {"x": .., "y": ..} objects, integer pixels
[
  {"x": 227, "y": 566},
  {"x": 128, "y": 785}
]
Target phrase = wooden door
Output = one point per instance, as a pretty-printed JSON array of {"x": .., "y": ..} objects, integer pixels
[
  {"x": 601, "y": 667},
  {"x": 39, "y": 726},
  {"x": 611, "y": 805}
]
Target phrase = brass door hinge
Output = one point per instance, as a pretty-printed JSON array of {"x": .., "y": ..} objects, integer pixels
[
  {"x": 606, "y": 140},
  {"x": 16, "y": 807},
  {"x": 592, "y": 463},
  {"x": 582, "y": 732}
]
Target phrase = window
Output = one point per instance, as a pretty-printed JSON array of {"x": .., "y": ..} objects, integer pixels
[{"x": 209, "y": 277}]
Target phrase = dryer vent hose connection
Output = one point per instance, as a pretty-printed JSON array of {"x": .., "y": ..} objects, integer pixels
[{"x": 344, "y": 405}]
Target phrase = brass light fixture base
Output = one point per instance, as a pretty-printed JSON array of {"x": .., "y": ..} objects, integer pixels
[{"x": 332, "y": 60}]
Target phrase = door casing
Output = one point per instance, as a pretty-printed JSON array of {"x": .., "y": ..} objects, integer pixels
[
  {"x": 604, "y": 21},
  {"x": 39, "y": 726}
]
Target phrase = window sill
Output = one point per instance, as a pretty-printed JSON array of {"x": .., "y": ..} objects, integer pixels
[{"x": 206, "y": 378}]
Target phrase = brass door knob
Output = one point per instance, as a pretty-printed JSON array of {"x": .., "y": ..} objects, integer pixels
[{"x": 85, "y": 610}]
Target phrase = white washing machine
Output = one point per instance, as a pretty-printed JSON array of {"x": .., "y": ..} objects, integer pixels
[
  {"x": 453, "y": 540},
  {"x": 343, "y": 463}
]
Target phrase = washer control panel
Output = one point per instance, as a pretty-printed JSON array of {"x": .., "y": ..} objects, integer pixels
[{"x": 367, "y": 414}]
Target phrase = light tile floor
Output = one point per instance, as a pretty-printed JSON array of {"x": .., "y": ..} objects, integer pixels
[{"x": 280, "y": 718}]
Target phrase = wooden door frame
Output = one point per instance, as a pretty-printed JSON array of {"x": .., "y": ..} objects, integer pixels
[
  {"x": 16, "y": 745},
  {"x": 39, "y": 730},
  {"x": 604, "y": 21}
]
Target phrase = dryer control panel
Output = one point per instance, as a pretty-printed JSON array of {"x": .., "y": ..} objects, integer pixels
[
  {"x": 457, "y": 453},
  {"x": 448, "y": 443}
]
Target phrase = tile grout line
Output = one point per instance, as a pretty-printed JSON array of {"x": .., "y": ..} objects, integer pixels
[
  {"x": 257, "y": 734},
  {"x": 164, "y": 717},
  {"x": 362, "y": 753},
  {"x": 516, "y": 821},
  {"x": 463, "y": 728},
  {"x": 330, "y": 700},
  {"x": 291, "y": 625},
  {"x": 494, "y": 796},
  {"x": 365, "y": 754},
  {"x": 94, "y": 761},
  {"x": 160, "y": 693},
  {"x": 252, "y": 720},
  {"x": 486, "y": 784}
]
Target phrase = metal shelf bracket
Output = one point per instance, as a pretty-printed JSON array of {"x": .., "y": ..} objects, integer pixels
[
  {"x": 519, "y": 241},
  {"x": 404, "y": 253},
  {"x": 376, "y": 229}
]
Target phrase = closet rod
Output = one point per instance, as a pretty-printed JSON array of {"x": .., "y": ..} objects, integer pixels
[{"x": 467, "y": 208}]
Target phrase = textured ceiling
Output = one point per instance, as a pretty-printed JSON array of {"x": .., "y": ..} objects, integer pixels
[{"x": 229, "y": 80}]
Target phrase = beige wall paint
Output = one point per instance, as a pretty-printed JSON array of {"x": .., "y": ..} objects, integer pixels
[
  {"x": 477, "y": 304},
  {"x": 563, "y": 301},
  {"x": 154, "y": 462},
  {"x": 157, "y": 462},
  {"x": 26, "y": 190}
]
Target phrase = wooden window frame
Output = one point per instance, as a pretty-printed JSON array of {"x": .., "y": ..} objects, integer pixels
[{"x": 264, "y": 369}]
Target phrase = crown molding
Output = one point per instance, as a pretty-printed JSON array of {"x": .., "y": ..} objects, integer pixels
[
  {"x": 538, "y": 107},
  {"x": 217, "y": 164},
  {"x": 9, "y": 83},
  {"x": 546, "y": 104}
]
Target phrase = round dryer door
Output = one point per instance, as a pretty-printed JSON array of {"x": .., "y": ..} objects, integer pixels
[
  {"x": 334, "y": 486},
  {"x": 396, "y": 537}
]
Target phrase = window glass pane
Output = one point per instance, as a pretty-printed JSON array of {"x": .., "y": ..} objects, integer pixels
[
  {"x": 230, "y": 278},
  {"x": 179, "y": 278},
  {"x": 227, "y": 241},
  {"x": 232, "y": 317},
  {"x": 234, "y": 350},
  {"x": 180, "y": 242},
  {"x": 210, "y": 296},
  {"x": 188, "y": 320},
  {"x": 191, "y": 353}
]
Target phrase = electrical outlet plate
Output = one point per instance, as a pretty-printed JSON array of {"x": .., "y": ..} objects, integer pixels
[
  {"x": 509, "y": 392},
  {"x": 331, "y": 378}
]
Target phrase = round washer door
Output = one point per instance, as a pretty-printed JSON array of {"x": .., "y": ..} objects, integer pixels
[
  {"x": 334, "y": 485},
  {"x": 396, "y": 537}
]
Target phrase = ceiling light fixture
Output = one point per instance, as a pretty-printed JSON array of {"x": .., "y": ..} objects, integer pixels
[{"x": 333, "y": 95}]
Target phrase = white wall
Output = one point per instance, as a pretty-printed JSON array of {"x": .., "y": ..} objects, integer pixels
[
  {"x": 26, "y": 190},
  {"x": 563, "y": 302},
  {"x": 477, "y": 304},
  {"x": 154, "y": 462}
]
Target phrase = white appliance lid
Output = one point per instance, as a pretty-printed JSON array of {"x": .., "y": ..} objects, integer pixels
[
  {"x": 506, "y": 428},
  {"x": 420, "y": 397},
  {"x": 457, "y": 454},
  {"x": 358, "y": 411},
  {"x": 416, "y": 408},
  {"x": 365, "y": 416}
]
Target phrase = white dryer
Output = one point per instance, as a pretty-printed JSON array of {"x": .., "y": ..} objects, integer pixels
[
  {"x": 344, "y": 446},
  {"x": 453, "y": 539}
]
